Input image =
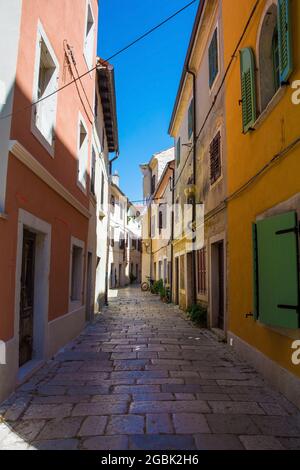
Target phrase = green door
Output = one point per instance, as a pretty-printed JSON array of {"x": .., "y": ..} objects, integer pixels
[{"x": 276, "y": 271}]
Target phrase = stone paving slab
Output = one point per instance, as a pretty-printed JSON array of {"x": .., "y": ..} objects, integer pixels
[{"x": 143, "y": 377}]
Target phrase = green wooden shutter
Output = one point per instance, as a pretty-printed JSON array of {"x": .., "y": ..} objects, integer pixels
[
  {"x": 285, "y": 40},
  {"x": 276, "y": 271},
  {"x": 248, "y": 88}
]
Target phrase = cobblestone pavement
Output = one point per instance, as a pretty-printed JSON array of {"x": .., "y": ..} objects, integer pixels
[{"x": 142, "y": 377}]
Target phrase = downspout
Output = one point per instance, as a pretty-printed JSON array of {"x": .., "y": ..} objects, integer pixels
[{"x": 194, "y": 166}]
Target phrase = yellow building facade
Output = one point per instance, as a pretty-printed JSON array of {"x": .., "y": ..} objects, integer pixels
[{"x": 262, "y": 53}]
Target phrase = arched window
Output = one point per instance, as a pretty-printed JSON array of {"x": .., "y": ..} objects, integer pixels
[{"x": 268, "y": 49}]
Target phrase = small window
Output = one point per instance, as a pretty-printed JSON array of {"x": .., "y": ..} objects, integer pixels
[
  {"x": 160, "y": 270},
  {"x": 191, "y": 119},
  {"x": 45, "y": 111},
  {"x": 83, "y": 155},
  {"x": 213, "y": 59},
  {"x": 178, "y": 151},
  {"x": 93, "y": 171},
  {"x": 89, "y": 39},
  {"x": 153, "y": 184},
  {"x": 215, "y": 159},
  {"x": 134, "y": 243},
  {"x": 76, "y": 273}
]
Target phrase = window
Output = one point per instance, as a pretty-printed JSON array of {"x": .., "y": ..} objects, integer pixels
[
  {"x": 215, "y": 158},
  {"x": 178, "y": 151},
  {"x": 134, "y": 243},
  {"x": 89, "y": 38},
  {"x": 213, "y": 57},
  {"x": 76, "y": 273},
  {"x": 201, "y": 275},
  {"x": 83, "y": 155},
  {"x": 191, "y": 119},
  {"x": 93, "y": 171},
  {"x": 154, "y": 271},
  {"x": 276, "y": 271},
  {"x": 44, "y": 112},
  {"x": 121, "y": 210}
]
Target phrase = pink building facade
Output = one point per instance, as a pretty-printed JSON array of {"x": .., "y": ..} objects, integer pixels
[{"x": 45, "y": 178}]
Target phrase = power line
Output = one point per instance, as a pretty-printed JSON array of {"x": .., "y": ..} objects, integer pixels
[{"x": 140, "y": 38}]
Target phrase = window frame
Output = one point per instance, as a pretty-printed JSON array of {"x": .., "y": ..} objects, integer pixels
[
  {"x": 42, "y": 36},
  {"x": 82, "y": 121}
]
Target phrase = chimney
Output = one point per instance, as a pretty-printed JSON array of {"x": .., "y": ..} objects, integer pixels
[{"x": 115, "y": 179}]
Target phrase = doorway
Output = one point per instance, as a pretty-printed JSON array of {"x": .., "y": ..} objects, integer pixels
[
  {"x": 217, "y": 285},
  {"x": 89, "y": 307},
  {"x": 26, "y": 325}
]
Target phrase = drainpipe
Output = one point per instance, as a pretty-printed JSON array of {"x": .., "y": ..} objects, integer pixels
[
  {"x": 194, "y": 283},
  {"x": 172, "y": 188},
  {"x": 110, "y": 162}
]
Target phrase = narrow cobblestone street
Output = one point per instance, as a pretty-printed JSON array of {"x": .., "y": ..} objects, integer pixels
[{"x": 142, "y": 377}]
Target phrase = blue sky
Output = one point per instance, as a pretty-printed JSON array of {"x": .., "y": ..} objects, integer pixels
[{"x": 147, "y": 77}]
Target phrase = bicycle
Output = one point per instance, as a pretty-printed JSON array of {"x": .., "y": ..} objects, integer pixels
[{"x": 147, "y": 285}]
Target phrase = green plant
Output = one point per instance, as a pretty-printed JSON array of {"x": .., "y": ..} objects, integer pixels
[
  {"x": 157, "y": 287},
  {"x": 198, "y": 314}
]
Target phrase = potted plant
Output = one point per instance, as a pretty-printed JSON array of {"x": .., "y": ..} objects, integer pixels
[{"x": 198, "y": 314}]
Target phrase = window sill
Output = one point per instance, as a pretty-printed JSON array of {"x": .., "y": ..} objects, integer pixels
[
  {"x": 3, "y": 216},
  {"x": 270, "y": 107},
  {"x": 289, "y": 333}
]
